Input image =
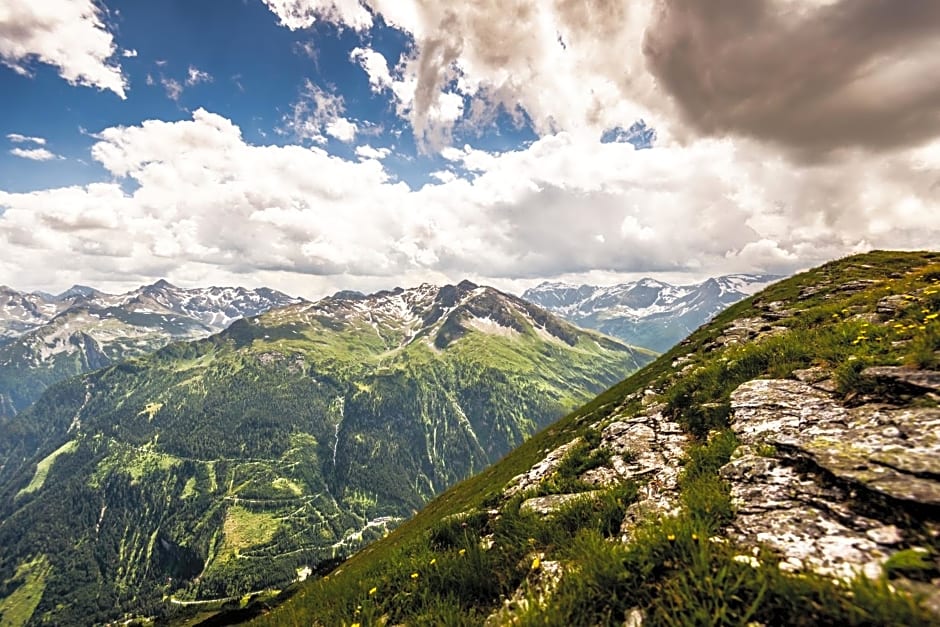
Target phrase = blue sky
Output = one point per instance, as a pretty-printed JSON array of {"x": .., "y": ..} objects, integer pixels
[
  {"x": 314, "y": 145},
  {"x": 254, "y": 73},
  {"x": 257, "y": 69}
]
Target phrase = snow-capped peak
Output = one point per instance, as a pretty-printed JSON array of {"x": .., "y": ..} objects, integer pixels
[{"x": 647, "y": 312}]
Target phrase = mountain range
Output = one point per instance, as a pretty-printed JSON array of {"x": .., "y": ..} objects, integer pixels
[
  {"x": 210, "y": 469},
  {"x": 647, "y": 312},
  {"x": 45, "y": 338}
]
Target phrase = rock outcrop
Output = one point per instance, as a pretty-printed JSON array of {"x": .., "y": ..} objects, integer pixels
[
  {"x": 833, "y": 489},
  {"x": 647, "y": 449}
]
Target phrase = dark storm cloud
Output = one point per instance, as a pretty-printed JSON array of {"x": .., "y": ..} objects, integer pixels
[{"x": 811, "y": 76}]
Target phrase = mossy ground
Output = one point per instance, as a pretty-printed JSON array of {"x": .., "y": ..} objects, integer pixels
[{"x": 434, "y": 569}]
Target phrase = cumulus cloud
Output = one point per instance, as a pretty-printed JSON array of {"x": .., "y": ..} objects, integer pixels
[
  {"x": 736, "y": 180},
  {"x": 559, "y": 66},
  {"x": 34, "y": 154},
  {"x": 810, "y": 77},
  {"x": 205, "y": 198},
  {"x": 67, "y": 34},
  {"x": 375, "y": 65},
  {"x": 341, "y": 129}
]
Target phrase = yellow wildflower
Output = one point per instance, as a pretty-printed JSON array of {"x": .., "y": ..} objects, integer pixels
[
  {"x": 462, "y": 551},
  {"x": 671, "y": 537},
  {"x": 433, "y": 561},
  {"x": 536, "y": 563},
  {"x": 356, "y": 625},
  {"x": 414, "y": 575},
  {"x": 373, "y": 590}
]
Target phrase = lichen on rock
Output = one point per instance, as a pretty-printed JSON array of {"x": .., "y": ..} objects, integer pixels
[{"x": 850, "y": 485}]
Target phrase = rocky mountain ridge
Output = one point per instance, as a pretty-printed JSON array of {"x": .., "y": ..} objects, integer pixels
[
  {"x": 646, "y": 312},
  {"x": 45, "y": 338}
]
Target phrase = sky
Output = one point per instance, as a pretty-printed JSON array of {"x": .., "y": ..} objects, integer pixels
[{"x": 317, "y": 145}]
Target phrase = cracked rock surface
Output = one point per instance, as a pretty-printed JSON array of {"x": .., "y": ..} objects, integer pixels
[
  {"x": 647, "y": 448},
  {"x": 839, "y": 481}
]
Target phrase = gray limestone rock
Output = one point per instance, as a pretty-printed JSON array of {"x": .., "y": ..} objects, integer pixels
[
  {"x": 538, "y": 472},
  {"x": 842, "y": 479},
  {"x": 923, "y": 379},
  {"x": 889, "y": 450},
  {"x": 547, "y": 505}
]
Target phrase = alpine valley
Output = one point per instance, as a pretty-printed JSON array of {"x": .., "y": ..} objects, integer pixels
[
  {"x": 180, "y": 480},
  {"x": 45, "y": 338},
  {"x": 647, "y": 312}
]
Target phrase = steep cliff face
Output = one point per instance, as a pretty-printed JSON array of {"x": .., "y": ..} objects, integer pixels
[{"x": 780, "y": 466}]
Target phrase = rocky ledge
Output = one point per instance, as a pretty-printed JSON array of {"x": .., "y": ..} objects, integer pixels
[
  {"x": 646, "y": 448},
  {"x": 834, "y": 489}
]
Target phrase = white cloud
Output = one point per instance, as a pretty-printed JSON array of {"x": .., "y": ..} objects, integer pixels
[
  {"x": 561, "y": 66},
  {"x": 67, "y": 34},
  {"x": 318, "y": 113},
  {"x": 173, "y": 88},
  {"x": 368, "y": 152},
  {"x": 375, "y": 65},
  {"x": 342, "y": 129},
  {"x": 433, "y": 129},
  {"x": 16, "y": 138},
  {"x": 34, "y": 154},
  {"x": 299, "y": 14},
  {"x": 196, "y": 76},
  {"x": 129, "y": 53},
  {"x": 210, "y": 206},
  {"x": 444, "y": 176}
]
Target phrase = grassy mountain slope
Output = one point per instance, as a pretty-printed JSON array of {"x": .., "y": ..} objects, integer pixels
[
  {"x": 478, "y": 554},
  {"x": 216, "y": 468}
]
